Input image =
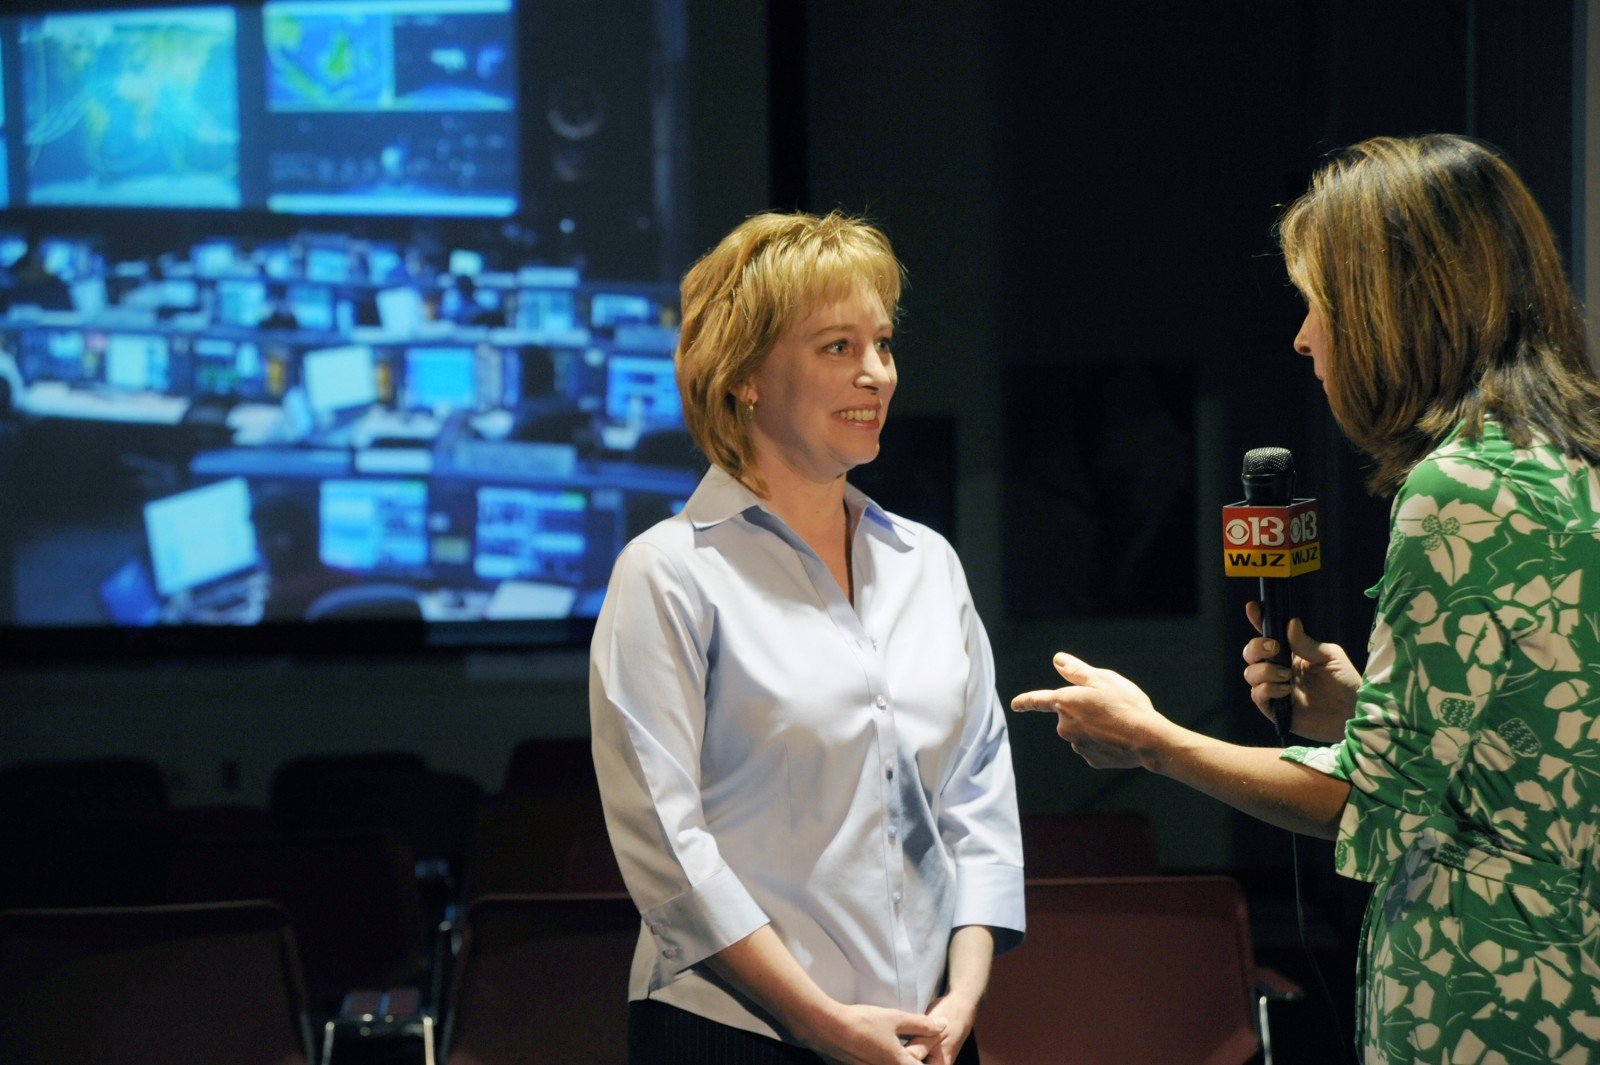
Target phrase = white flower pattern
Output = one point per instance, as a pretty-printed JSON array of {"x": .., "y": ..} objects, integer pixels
[{"x": 1475, "y": 765}]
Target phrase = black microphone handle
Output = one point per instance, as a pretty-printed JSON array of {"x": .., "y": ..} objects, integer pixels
[{"x": 1275, "y": 626}]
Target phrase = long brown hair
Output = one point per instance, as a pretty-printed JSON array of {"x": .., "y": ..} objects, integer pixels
[{"x": 1445, "y": 302}]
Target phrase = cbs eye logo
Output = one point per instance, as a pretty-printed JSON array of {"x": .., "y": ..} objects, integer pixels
[{"x": 1271, "y": 530}]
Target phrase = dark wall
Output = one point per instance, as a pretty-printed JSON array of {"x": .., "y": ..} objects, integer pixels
[{"x": 1083, "y": 194}]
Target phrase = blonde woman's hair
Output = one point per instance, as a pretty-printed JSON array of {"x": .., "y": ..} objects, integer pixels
[
  {"x": 742, "y": 295},
  {"x": 1444, "y": 299}
]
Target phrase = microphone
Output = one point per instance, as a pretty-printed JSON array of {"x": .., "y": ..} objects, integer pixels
[{"x": 1272, "y": 536}]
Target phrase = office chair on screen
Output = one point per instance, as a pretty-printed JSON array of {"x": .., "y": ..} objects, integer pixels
[
  {"x": 542, "y": 980},
  {"x": 381, "y": 601},
  {"x": 158, "y": 985},
  {"x": 1127, "y": 970}
]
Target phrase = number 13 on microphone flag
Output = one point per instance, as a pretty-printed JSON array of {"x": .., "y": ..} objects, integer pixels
[{"x": 1271, "y": 541}]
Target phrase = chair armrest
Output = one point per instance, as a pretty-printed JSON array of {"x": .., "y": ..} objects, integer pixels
[{"x": 1273, "y": 985}]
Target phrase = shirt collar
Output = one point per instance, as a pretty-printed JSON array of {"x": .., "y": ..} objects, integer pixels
[{"x": 720, "y": 496}]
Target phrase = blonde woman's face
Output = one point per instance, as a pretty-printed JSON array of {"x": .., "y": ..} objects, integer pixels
[
  {"x": 822, "y": 395},
  {"x": 1312, "y": 342}
]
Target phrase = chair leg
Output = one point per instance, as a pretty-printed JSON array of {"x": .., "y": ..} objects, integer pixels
[{"x": 1264, "y": 1029}]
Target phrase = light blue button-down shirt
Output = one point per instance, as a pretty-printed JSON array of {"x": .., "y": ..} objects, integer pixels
[{"x": 769, "y": 753}]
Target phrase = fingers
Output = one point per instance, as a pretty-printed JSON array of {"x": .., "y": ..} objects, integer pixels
[
  {"x": 1074, "y": 670},
  {"x": 1303, "y": 645},
  {"x": 1252, "y": 610},
  {"x": 1041, "y": 699},
  {"x": 1259, "y": 649},
  {"x": 918, "y": 1026}
]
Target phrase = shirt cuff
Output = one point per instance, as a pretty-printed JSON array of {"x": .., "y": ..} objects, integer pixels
[
  {"x": 700, "y": 922},
  {"x": 991, "y": 895},
  {"x": 1324, "y": 760}
]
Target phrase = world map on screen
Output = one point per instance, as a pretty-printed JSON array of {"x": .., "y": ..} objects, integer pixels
[{"x": 132, "y": 109}]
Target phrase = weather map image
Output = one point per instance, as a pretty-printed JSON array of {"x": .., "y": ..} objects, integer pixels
[
  {"x": 137, "y": 108},
  {"x": 328, "y": 62},
  {"x": 389, "y": 55},
  {"x": 391, "y": 107}
]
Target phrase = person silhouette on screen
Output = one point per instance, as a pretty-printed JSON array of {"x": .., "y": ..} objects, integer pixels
[
  {"x": 287, "y": 536},
  {"x": 544, "y": 414}
]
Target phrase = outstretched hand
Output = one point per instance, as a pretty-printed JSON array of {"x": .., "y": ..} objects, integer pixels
[
  {"x": 1320, "y": 681},
  {"x": 1107, "y": 718}
]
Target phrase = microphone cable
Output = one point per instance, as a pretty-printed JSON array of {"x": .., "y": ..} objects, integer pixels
[{"x": 1326, "y": 993}]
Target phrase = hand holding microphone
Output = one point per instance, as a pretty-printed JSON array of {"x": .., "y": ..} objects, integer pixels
[
  {"x": 1320, "y": 682},
  {"x": 1301, "y": 685},
  {"x": 1272, "y": 536}
]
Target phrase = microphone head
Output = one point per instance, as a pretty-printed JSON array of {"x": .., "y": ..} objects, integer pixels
[{"x": 1268, "y": 477}]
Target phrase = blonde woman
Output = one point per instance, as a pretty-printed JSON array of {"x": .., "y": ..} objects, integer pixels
[{"x": 802, "y": 756}]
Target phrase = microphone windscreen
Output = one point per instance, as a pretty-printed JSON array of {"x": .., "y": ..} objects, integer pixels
[{"x": 1269, "y": 476}]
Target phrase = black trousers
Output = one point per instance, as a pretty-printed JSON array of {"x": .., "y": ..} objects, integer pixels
[{"x": 659, "y": 1034}]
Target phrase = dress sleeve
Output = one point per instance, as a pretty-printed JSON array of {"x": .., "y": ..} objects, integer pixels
[
  {"x": 1437, "y": 654},
  {"x": 978, "y": 814},
  {"x": 647, "y": 683}
]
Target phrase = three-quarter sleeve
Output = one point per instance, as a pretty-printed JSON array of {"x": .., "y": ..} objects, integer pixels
[
  {"x": 978, "y": 811},
  {"x": 647, "y": 710}
]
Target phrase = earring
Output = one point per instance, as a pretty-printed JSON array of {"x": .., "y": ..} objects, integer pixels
[{"x": 747, "y": 413}]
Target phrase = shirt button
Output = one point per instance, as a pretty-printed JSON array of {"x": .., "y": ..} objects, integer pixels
[
  {"x": 670, "y": 952},
  {"x": 882, "y": 702},
  {"x": 894, "y": 831},
  {"x": 655, "y": 928},
  {"x": 888, "y": 770},
  {"x": 896, "y": 897}
]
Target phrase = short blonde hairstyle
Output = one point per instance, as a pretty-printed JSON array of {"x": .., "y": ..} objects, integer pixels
[
  {"x": 767, "y": 274},
  {"x": 1444, "y": 298}
]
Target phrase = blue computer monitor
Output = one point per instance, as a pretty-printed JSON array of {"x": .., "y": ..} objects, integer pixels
[
  {"x": 13, "y": 246},
  {"x": 374, "y": 526},
  {"x": 52, "y": 355},
  {"x": 130, "y": 108},
  {"x": 464, "y": 262},
  {"x": 89, "y": 296},
  {"x": 180, "y": 292},
  {"x": 312, "y": 306},
  {"x": 228, "y": 366},
  {"x": 241, "y": 301},
  {"x": 201, "y": 536},
  {"x": 327, "y": 264},
  {"x": 440, "y": 378},
  {"x": 530, "y": 534},
  {"x": 547, "y": 310},
  {"x": 129, "y": 596},
  {"x": 420, "y": 120},
  {"x": 383, "y": 262},
  {"x": 215, "y": 257},
  {"x": 400, "y": 310},
  {"x": 607, "y": 310},
  {"x": 339, "y": 381},
  {"x": 642, "y": 390},
  {"x": 137, "y": 362}
]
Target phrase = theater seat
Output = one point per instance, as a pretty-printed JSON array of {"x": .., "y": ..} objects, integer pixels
[
  {"x": 1126, "y": 969},
  {"x": 156, "y": 985}
]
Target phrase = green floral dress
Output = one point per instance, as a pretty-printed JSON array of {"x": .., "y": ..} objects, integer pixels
[{"x": 1474, "y": 764}]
